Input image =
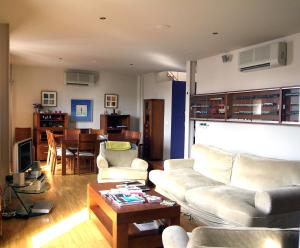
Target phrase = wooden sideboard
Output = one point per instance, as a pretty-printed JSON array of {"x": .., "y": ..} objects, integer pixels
[
  {"x": 56, "y": 122},
  {"x": 114, "y": 124}
]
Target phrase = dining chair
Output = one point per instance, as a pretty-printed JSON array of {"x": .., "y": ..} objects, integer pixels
[
  {"x": 87, "y": 150},
  {"x": 48, "y": 134},
  {"x": 97, "y": 131},
  {"x": 56, "y": 154},
  {"x": 72, "y": 134},
  {"x": 131, "y": 136}
]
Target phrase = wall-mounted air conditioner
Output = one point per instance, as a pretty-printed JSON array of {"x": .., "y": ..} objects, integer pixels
[
  {"x": 80, "y": 77},
  {"x": 263, "y": 57}
]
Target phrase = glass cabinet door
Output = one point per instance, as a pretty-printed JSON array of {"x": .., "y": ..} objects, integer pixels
[
  {"x": 254, "y": 106},
  {"x": 208, "y": 107},
  {"x": 290, "y": 105}
]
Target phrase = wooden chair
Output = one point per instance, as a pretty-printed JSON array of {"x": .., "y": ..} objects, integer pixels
[
  {"x": 132, "y": 136},
  {"x": 72, "y": 134},
  {"x": 48, "y": 133},
  {"x": 97, "y": 131},
  {"x": 87, "y": 146},
  {"x": 56, "y": 153}
]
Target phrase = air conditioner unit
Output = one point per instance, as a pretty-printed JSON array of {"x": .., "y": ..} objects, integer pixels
[
  {"x": 263, "y": 57},
  {"x": 79, "y": 77}
]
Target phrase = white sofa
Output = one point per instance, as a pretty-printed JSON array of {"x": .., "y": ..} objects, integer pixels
[
  {"x": 120, "y": 165},
  {"x": 176, "y": 237},
  {"x": 221, "y": 188}
]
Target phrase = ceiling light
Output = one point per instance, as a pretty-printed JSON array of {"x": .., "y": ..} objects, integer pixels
[
  {"x": 131, "y": 64},
  {"x": 102, "y": 18},
  {"x": 60, "y": 59},
  {"x": 163, "y": 26},
  {"x": 215, "y": 33}
]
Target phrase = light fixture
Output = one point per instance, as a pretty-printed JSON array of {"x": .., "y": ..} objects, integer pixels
[
  {"x": 102, "y": 18},
  {"x": 60, "y": 59},
  {"x": 163, "y": 26},
  {"x": 214, "y": 33},
  {"x": 131, "y": 64}
]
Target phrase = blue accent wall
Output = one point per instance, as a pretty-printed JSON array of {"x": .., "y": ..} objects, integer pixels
[{"x": 177, "y": 120}]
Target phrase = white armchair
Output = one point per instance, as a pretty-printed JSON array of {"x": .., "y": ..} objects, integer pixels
[{"x": 120, "y": 165}]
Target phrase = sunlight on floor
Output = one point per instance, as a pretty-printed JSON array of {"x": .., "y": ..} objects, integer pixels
[
  {"x": 59, "y": 229},
  {"x": 270, "y": 243}
]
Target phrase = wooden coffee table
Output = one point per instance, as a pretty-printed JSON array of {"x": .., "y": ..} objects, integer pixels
[{"x": 115, "y": 222}]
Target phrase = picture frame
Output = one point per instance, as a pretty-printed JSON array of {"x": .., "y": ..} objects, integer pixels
[
  {"x": 82, "y": 110},
  {"x": 49, "y": 98},
  {"x": 111, "y": 101}
]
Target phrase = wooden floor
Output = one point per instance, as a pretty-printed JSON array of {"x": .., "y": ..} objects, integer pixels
[{"x": 67, "y": 225}]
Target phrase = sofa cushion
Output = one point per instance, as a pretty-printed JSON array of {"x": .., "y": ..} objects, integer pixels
[
  {"x": 212, "y": 162},
  {"x": 122, "y": 173},
  {"x": 259, "y": 173},
  {"x": 178, "y": 181},
  {"x": 243, "y": 237},
  {"x": 227, "y": 202}
]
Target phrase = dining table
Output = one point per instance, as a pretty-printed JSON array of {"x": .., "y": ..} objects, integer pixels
[{"x": 67, "y": 142}]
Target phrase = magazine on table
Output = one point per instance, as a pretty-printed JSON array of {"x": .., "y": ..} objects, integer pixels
[{"x": 129, "y": 196}]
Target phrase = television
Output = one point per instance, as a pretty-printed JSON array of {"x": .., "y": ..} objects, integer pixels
[{"x": 23, "y": 155}]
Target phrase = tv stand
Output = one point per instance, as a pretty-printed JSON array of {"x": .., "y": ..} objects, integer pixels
[{"x": 32, "y": 186}]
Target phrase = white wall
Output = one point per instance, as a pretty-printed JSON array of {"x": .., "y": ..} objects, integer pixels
[
  {"x": 29, "y": 81},
  {"x": 160, "y": 90},
  {"x": 268, "y": 140}
]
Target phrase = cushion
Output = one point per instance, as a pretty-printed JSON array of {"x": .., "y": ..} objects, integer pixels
[
  {"x": 229, "y": 203},
  {"x": 85, "y": 154},
  {"x": 59, "y": 152},
  {"x": 118, "y": 145},
  {"x": 122, "y": 173},
  {"x": 212, "y": 162},
  {"x": 259, "y": 173},
  {"x": 243, "y": 237},
  {"x": 178, "y": 181},
  {"x": 279, "y": 200}
]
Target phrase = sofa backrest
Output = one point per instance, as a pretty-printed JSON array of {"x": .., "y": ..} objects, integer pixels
[
  {"x": 212, "y": 162},
  {"x": 258, "y": 173},
  {"x": 118, "y": 158}
]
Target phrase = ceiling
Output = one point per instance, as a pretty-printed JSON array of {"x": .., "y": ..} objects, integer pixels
[{"x": 134, "y": 32}]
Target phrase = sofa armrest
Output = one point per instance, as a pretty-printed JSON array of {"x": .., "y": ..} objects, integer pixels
[
  {"x": 173, "y": 164},
  {"x": 277, "y": 201},
  {"x": 101, "y": 162},
  {"x": 139, "y": 164},
  {"x": 175, "y": 237}
]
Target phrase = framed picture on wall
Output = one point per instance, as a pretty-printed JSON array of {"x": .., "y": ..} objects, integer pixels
[
  {"x": 111, "y": 101},
  {"x": 81, "y": 110},
  {"x": 49, "y": 98}
]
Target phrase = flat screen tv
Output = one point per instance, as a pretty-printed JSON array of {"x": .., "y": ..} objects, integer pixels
[{"x": 23, "y": 155}]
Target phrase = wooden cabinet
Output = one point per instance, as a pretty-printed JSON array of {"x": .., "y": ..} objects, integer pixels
[
  {"x": 56, "y": 122},
  {"x": 114, "y": 124},
  {"x": 153, "y": 129}
]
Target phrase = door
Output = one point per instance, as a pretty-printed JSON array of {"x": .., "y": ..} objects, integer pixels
[{"x": 178, "y": 119}]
